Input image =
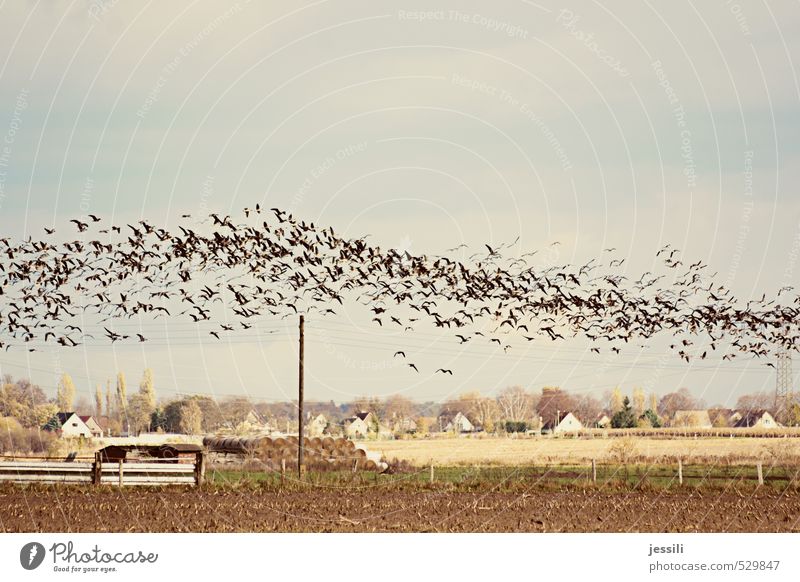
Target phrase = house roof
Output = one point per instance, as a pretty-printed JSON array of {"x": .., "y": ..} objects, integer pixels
[
  {"x": 750, "y": 418},
  {"x": 64, "y": 416},
  {"x": 362, "y": 415},
  {"x": 551, "y": 424}
]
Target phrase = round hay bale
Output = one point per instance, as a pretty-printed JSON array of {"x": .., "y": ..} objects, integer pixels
[
  {"x": 328, "y": 444},
  {"x": 342, "y": 452},
  {"x": 370, "y": 465},
  {"x": 280, "y": 442},
  {"x": 211, "y": 443},
  {"x": 314, "y": 442}
]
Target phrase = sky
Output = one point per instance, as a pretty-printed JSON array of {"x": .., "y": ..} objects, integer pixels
[{"x": 424, "y": 125}]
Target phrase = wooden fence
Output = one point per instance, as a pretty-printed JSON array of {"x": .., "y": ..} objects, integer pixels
[
  {"x": 97, "y": 472},
  {"x": 679, "y": 473}
]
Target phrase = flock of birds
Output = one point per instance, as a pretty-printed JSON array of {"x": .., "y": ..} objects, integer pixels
[{"x": 270, "y": 263}]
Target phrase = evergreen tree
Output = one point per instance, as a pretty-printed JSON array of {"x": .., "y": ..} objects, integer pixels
[
  {"x": 624, "y": 418},
  {"x": 650, "y": 418}
]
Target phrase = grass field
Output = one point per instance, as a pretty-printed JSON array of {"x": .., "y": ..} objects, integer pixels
[{"x": 533, "y": 451}]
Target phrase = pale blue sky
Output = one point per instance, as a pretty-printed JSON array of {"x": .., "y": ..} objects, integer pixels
[{"x": 427, "y": 125}]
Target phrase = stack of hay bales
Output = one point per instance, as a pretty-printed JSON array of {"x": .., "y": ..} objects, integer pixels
[{"x": 326, "y": 453}]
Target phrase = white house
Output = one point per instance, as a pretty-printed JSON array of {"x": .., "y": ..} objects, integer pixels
[
  {"x": 757, "y": 419},
  {"x": 459, "y": 423},
  {"x": 317, "y": 426},
  {"x": 568, "y": 423},
  {"x": 89, "y": 421},
  {"x": 603, "y": 421},
  {"x": 364, "y": 424},
  {"x": 358, "y": 426},
  {"x": 71, "y": 425}
]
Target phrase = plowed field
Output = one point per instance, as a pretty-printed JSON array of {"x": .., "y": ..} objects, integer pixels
[{"x": 374, "y": 509}]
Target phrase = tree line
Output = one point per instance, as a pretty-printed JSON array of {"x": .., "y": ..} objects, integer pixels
[{"x": 512, "y": 409}]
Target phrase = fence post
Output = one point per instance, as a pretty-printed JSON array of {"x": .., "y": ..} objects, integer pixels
[
  {"x": 199, "y": 468},
  {"x": 97, "y": 469},
  {"x": 680, "y": 471},
  {"x": 431, "y": 472},
  {"x": 120, "y": 472},
  {"x": 594, "y": 471},
  {"x": 760, "y": 471}
]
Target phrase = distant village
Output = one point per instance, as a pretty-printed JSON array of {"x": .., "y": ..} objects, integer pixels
[{"x": 29, "y": 419}]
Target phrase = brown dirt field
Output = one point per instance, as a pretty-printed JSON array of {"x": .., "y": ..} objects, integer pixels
[
  {"x": 65, "y": 509},
  {"x": 524, "y": 451}
]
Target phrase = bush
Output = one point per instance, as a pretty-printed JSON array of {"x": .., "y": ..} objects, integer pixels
[
  {"x": 649, "y": 420},
  {"x": 16, "y": 439},
  {"x": 516, "y": 426}
]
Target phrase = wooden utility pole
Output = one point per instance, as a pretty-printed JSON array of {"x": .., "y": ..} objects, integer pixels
[{"x": 300, "y": 399}]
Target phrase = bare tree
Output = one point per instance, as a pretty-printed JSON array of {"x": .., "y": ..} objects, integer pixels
[
  {"x": 555, "y": 402},
  {"x": 191, "y": 417},
  {"x": 674, "y": 401},
  {"x": 480, "y": 410},
  {"x": 756, "y": 401},
  {"x": 398, "y": 408},
  {"x": 587, "y": 409},
  {"x": 516, "y": 403},
  {"x": 139, "y": 412}
]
